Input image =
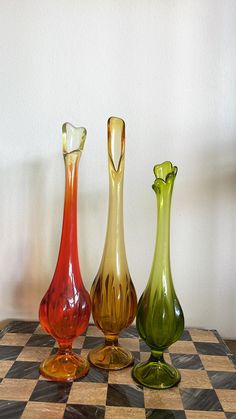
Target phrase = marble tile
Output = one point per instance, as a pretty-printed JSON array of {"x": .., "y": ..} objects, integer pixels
[
  {"x": 10, "y": 352},
  {"x": 17, "y": 389},
  {"x": 185, "y": 335},
  {"x": 80, "y": 411},
  {"x": 4, "y": 367},
  {"x": 40, "y": 330},
  {"x": 136, "y": 356},
  {"x": 217, "y": 363},
  {"x": 121, "y": 377},
  {"x": 30, "y": 353},
  {"x": 39, "y": 410},
  {"x": 143, "y": 346},
  {"x": 130, "y": 343},
  {"x": 23, "y": 369},
  {"x": 41, "y": 340},
  {"x": 183, "y": 347},
  {"x": 78, "y": 342},
  {"x": 15, "y": 339},
  {"x": 130, "y": 332},
  {"x": 95, "y": 375},
  {"x": 88, "y": 393},
  {"x": 194, "y": 379},
  {"x": 205, "y": 348},
  {"x": 91, "y": 342},
  {"x": 199, "y": 399},
  {"x": 125, "y": 395},
  {"x": 227, "y": 399},
  {"x": 51, "y": 391},
  {"x": 163, "y": 399},
  {"x": 94, "y": 332},
  {"x": 186, "y": 361},
  {"x": 223, "y": 379},
  {"x": 11, "y": 409},
  {"x": 230, "y": 415},
  {"x": 190, "y": 414},
  {"x": 21, "y": 326},
  {"x": 124, "y": 412},
  {"x": 200, "y": 335},
  {"x": 165, "y": 414}
]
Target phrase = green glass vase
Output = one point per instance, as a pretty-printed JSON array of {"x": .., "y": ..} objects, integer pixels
[{"x": 160, "y": 319}]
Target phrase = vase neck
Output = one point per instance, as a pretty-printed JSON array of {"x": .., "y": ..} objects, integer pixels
[
  {"x": 114, "y": 245},
  {"x": 162, "y": 248},
  {"x": 68, "y": 254}
]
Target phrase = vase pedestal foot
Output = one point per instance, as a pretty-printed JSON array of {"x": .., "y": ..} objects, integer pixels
[
  {"x": 64, "y": 367},
  {"x": 156, "y": 374},
  {"x": 110, "y": 357}
]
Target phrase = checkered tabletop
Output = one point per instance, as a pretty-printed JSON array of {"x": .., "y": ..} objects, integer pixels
[{"x": 207, "y": 389}]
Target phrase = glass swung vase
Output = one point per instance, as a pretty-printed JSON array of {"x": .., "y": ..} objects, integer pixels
[
  {"x": 65, "y": 309},
  {"x": 160, "y": 319},
  {"x": 112, "y": 294}
]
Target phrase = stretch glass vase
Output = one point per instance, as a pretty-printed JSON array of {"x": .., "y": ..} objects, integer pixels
[
  {"x": 65, "y": 309},
  {"x": 160, "y": 320},
  {"x": 112, "y": 294}
]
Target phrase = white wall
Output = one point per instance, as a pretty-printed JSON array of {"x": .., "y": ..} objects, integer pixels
[{"x": 169, "y": 69}]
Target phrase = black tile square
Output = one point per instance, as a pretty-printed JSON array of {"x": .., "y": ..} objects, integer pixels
[
  {"x": 143, "y": 346},
  {"x": 185, "y": 336},
  {"x": 51, "y": 391},
  {"x": 41, "y": 340},
  {"x": 165, "y": 414},
  {"x": 231, "y": 415},
  {"x": 23, "y": 369},
  {"x": 211, "y": 348},
  {"x": 95, "y": 375},
  {"x": 91, "y": 342},
  {"x": 192, "y": 362},
  {"x": 136, "y": 356},
  {"x": 130, "y": 332},
  {"x": 198, "y": 399},
  {"x": 11, "y": 409},
  {"x": 20, "y": 326},
  {"x": 10, "y": 353},
  {"x": 125, "y": 395},
  {"x": 81, "y": 411},
  {"x": 223, "y": 379}
]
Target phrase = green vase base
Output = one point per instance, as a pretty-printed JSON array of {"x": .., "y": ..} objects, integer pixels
[
  {"x": 64, "y": 367},
  {"x": 156, "y": 374},
  {"x": 110, "y": 357}
]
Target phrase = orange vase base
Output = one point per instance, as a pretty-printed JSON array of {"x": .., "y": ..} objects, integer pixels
[{"x": 64, "y": 367}]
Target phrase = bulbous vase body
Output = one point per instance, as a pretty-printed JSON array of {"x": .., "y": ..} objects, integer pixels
[
  {"x": 160, "y": 320},
  {"x": 65, "y": 309},
  {"x": 112, "y": 294}
]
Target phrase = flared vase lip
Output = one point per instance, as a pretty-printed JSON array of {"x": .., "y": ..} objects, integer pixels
[
  {"x": 164, "y": 172},
  {"x": 73, "y": 138},
  {"x": 116, "y": 140}
]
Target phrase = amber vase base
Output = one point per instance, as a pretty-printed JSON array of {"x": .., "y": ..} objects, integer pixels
[
  {"x": 64, "y": 367},
  {"x": 110, "y": 357},
  {"x": 156, "y": 374}
]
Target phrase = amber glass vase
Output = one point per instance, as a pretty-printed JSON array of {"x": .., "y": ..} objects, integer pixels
[
  {"x": 65, "y": 309},
  {"x": 160, "y": 320},
  {"x": 113, "y": 295}
]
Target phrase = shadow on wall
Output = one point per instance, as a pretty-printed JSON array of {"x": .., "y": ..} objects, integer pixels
[{"x": 31, "y": 212}]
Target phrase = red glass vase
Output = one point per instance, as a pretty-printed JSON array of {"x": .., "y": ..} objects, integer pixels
[{"x": 65, "y": 309}]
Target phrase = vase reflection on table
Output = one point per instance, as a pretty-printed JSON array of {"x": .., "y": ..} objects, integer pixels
[
  {"x": 112, "y": 294},
  {"x": 65, "y": 309},
  {"x": 160, "y": 319}
]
